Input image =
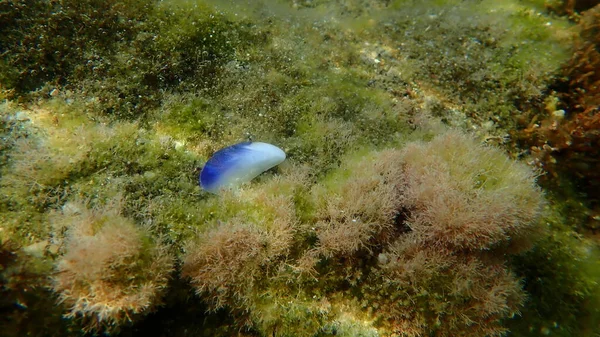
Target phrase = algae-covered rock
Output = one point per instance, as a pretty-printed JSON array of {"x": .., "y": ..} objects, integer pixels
[{"x": 379, "y": 223}]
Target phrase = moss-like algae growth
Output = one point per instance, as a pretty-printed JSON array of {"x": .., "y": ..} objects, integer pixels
[
  {"x": 568, "y": 279},
  {"x": 381, "y": 223}
]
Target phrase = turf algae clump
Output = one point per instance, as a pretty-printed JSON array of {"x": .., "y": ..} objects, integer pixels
[
  {"x": 358, "y": 204},
  {"x": 111, "y": 271},
  {"x": 440, "y": 231},
  {"x": 414, "y": 240},
  {"x": 64, "y": 156},
  {"x": 462, "y": 195}
]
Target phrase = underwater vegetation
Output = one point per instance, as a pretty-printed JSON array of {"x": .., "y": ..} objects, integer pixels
[
  {"x": 111, "y": 269},
  {"x": 401, "y": 234},
  {"x": 399, "y": 210},
  {"x": 572, "y": 8},
  {"x": 422, "y": 273},
  {"x": 565, "y": 137},
  {"x": 71, "y": 45},
  {"x": 568, "y": 280}
]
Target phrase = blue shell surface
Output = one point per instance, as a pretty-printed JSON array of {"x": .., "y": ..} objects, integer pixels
[{"x": 237, "y": 164}]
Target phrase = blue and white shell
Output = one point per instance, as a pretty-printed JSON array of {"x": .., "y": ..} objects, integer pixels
[{"x": 237, "y": 164}]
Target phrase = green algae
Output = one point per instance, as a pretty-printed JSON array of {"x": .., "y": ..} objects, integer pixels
[
  {"x": 52, "y": 41},
  {"x": 561, "y": 272},
  {"x": 131, "y": 106},
  {"x": 489, "y": 69}
]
